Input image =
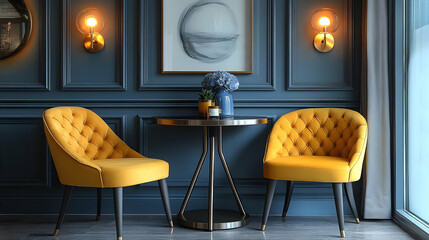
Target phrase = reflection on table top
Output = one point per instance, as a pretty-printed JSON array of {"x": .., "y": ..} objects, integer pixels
[{"x": 211, "y": 122}]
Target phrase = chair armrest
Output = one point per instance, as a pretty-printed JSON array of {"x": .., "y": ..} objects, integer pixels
[
  {"x": 71, "y": 170},
  {"x": 277, "y": 138},
  {"x": 357, "y": 154},
  {"x": 53, "y": 142}
]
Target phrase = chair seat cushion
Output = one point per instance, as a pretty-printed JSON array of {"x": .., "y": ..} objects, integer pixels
[
  {"x": 122, "y": 172},
  {"x": 308, "y": 168}
]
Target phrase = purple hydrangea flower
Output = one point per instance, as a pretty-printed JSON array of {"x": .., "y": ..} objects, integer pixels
[{"x": 220, "y": 79}]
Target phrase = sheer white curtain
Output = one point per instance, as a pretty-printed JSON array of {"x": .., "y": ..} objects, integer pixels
[{"x": 377, "y": 177}]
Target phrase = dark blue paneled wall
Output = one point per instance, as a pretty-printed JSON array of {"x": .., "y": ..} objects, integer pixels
[{"x": 123, "y": 84}]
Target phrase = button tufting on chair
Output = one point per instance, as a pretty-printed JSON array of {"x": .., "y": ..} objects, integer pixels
[
  {"x": 329, "y": 148},
  {"x": 87, "y": 153}
]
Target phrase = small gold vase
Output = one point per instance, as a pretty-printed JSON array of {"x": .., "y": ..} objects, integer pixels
[{"x": 203, "y": 107}]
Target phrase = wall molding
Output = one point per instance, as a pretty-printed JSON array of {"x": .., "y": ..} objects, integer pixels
[
  {"x": 44, "y": 53},
  {"x": 46, "y": 181},
  {"x": 348, "y": 80},
  {"x": 142, "y": 134},
  {"x": 177, "y": 103},
  {"x": 145, "y": 82},
  {"x": 120, "y": 52},
  {"x": 121, "y": 124}
]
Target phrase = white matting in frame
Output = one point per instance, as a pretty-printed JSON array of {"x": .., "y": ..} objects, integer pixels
[{"x": 207, "y": 35}]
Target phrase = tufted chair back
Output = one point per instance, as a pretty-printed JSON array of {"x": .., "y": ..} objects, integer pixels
[
  {"x": 76, "y": 136},
  {"x": 319, "y": 132}
]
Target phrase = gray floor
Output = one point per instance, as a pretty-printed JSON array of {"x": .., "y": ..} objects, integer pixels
[{"x": 155, "y": 227}]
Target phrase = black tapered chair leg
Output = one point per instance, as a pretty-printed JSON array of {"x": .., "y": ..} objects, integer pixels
[
  {"x": 165, "y": 200},
  {"x": 64, "y": 206},
  {"x": 288, "y": 197},
  {"x": 117, "y": 195},
  {"x": 268, "y": 200},
  {"x": 351, "y": 200},
  {"x": 338, "y": 195},
  {"x": 99, "y": 195}
]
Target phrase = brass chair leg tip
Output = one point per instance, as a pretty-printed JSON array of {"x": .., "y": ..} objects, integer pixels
[
  {"x": 263, "y": 227},
  {"x": 283, "y": 215},
  {"x": 56, "y": 232},
  {"x": 119, "y": 238},
  {"x": 343, "y": 233},
  {"x": 357, "y": 220},
  {"x": 171, "y": 224},
  {"x": 98, "y": 217}
]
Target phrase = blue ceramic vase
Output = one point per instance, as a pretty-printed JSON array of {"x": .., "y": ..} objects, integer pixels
[{"x": 223, "y": 99}]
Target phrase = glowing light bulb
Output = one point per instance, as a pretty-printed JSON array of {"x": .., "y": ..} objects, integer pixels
[
  {"x": 91, "y": 22},
  {"x": 324, "y": 22}
]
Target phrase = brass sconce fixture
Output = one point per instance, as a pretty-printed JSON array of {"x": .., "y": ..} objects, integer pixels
[
  {"x": 91, "y": 22},
  {"x": 324, "y": 22}
]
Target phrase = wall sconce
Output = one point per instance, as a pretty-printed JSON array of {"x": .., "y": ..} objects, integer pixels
[
  {"x": 324, "y": 22},
  {"x": 91, "y": 22}
]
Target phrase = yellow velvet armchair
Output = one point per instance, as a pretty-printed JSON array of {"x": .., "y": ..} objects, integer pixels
[
  {"x": 316, "y": 145},
  {"x": 87, "y": 153}
]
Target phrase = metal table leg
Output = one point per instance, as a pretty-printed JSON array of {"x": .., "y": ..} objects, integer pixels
[
  {"x": 228, "y": 174},
  {"x": 211, "y": 219},
  {"x": 197, "y": 172},
  {"x": 211, "y": 180}
]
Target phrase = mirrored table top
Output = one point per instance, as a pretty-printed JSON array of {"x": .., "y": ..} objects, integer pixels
[{"x": 211, "y": 122}]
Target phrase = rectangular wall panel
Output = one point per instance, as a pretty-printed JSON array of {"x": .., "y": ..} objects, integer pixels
[
  {"x": 117, "y": 124},
  {"x": 25, "y": 160},
  {"x": 264, "y": 52},
  {"x": 105, "y": 72},
  {"x": 310, "y": 69}
]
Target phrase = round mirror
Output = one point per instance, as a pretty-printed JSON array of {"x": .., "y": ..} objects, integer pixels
[{"x": 15, "y": 27}]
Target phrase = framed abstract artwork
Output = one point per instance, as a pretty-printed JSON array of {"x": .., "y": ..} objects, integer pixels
[{"x": 200, "y": 36}]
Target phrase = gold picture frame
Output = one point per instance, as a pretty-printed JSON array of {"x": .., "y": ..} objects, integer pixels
[{"x": 193, "y": 43}]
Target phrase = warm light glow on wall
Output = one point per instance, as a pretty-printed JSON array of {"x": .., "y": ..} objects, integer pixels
[
  {"x": 91, "y": 22},
  {"x": 324, "y": 22}
]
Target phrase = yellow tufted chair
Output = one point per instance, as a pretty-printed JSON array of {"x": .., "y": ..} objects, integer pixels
[
  {"x": 87, "y": 153},
  {"x": 316, "y": 145}
]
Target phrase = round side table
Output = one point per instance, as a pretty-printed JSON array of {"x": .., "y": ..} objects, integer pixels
[{"x": 211, "y": 219}]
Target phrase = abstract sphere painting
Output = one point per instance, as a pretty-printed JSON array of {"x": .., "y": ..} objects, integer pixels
[
  {"x": 207, "y": 35},
  {"x": 209, "y": 31}
]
